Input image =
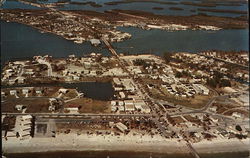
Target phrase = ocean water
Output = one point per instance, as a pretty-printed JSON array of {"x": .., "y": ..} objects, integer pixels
[{"x": 105, "y": 154}]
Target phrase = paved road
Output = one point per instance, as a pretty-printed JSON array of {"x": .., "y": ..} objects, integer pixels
[
  {"x": 48, "y": 64},
  {"x": 154, "y": 106},
  {"x": 77, "y": 115}
]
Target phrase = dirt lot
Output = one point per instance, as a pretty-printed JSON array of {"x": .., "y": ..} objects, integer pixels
[
  {"x": 80, "y": 125},
  {"x": 192, "y": 119},
  {"x": 33, "y": 105},
  {"x": 8, "y": 122},
  {"x": 178, "y": 120}
]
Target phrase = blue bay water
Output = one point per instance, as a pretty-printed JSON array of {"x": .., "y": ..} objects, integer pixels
[
  {"x": 16, "y": 5},
  {"x": 148, "y": 7},
  {"x": 13, "y": 4},
  {"x": 159, "y": 41},
  {"x": 21, "y": 41}
]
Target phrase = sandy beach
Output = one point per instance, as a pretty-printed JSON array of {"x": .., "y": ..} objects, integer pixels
[
  {"x": 222, "y": 145},
  {"x": 83, "y": 142}
]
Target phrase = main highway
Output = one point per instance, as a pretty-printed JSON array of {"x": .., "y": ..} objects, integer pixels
[{"x": 153, "y": 105}]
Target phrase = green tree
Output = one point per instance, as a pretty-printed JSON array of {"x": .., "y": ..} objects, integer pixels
[
  {"x": 140, "y": 62},
  {"x": 212, "y": 82},
  {"x": 186, "y": 73},
  {"x": 225, "y": 83},
  {"x": 167, "y": 56},
  {"x": 237, "y": 127},
  {"x": 178, "y": 74}
]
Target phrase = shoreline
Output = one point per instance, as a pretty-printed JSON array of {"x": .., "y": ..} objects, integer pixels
[
  {"x": 106, "y": 154},
  {"x": 119, "y": 151},
  {"x": 127, "y": 143}
]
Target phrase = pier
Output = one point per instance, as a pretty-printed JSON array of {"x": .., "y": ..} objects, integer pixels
[{"x": 192, "y": 150}]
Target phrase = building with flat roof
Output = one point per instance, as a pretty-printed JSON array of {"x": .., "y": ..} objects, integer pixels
[
  {"x": 122, "y": 95},
  {"x": 123, "y": 128},
  {"x": 23, "y": 126},
  {"x": 73, "y": 108},
  {"x": 13, "y": 92},
  {"x": 95, "y": 42},
  {"x": 117, "y": 81},
  {"x": 129, "y": 107},
  {"x": 145, "y": 109}
]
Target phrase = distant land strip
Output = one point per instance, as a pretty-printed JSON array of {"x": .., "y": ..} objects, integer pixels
[
  {"x": 203, "y": 4},
  {"x": 132, "y": 1},
  {"x": 210, "y": 3},
  {"x": 157, "y": 8},
  {"x": 93, "y": 4},
  {"x": 176, "y": 8},
  {"x": 223, "y": 11}
]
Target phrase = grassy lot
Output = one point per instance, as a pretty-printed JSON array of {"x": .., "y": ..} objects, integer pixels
[
  {"x": 110, "y": 64},
  {"x": 71, "y": 94},
  {"x": 244, "y": 112},
  {"x": 197, "y": 102},
  {"x": 147, "y": 80},
  {"x": 223, "y": 107},
  {"x": 50, "y": 91},
  {"x": 91, "y": 106}
]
